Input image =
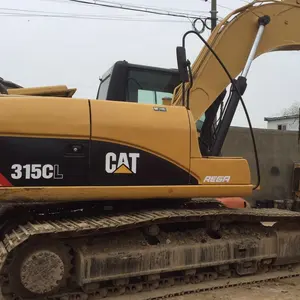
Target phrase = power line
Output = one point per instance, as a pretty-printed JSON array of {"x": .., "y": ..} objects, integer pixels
[
  {"x": 145, "y": 10},
  {"x": 151, "y": 7},
  {"x": 229, "y": 8},
  {"x": 33, "y": 13},
  {"x": 245, "y": 1},
  {"x": 220, "y": 5},
  {"x": 226, "y": 7},
  {"x": 60, "y": 13},
  {"x": 142, "y": 9}
]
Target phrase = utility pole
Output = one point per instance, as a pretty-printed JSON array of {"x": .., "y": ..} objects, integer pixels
[
  {"x": 214, "y": 18},
  {"x": 213, "y": 14}
]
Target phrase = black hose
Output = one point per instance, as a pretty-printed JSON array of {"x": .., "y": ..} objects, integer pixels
[
  {"x": 191, "y": 84},
  {"x": 239, "y": 94}
]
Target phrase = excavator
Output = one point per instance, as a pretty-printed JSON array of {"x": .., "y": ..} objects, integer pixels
[{"x": 116, "y": 199}]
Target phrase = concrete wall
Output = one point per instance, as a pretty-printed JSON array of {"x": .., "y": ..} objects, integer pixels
[
  {"x": 291, "y": 124},
  {"x": 277, "y": 151}
]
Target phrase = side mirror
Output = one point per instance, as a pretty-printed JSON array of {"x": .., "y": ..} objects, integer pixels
[{"x": 182, "y": 64}]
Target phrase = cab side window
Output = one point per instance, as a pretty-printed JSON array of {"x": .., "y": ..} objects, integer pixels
[
  {"x": 147, "y": 97},
  {"x": 199, "y": 122},
  {"x": 150, "y": 86},
  {"x": 103, "y": 88},
  {"x": 152, "y": 97}
]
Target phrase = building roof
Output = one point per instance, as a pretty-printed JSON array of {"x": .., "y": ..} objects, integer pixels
[{"x": 281, "y": 118}]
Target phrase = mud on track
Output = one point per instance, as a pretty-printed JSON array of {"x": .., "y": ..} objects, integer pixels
[{"x": 283, "y": 289}]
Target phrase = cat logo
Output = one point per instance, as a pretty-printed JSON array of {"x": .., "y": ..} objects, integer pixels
[{"x": 123, "y": 163}]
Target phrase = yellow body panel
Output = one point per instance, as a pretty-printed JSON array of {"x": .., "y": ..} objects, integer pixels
[
  {"x": 57, "y": 90},
  {"x": 81, "y": 193},
  {"x": 44, "y": 117},
  {"x": 236, "y": 168},
  {"x": 166, "y": 134}
]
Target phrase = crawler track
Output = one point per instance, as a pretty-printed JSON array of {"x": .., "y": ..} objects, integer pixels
[
  {"x": 211, "y": 285},
  {"x": 145, "y": 253}
]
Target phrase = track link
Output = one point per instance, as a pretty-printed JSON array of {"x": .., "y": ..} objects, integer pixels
[
  {"x": 76, "y": 228},
  {"x": 106, "y": 224},
  {"x": 212, "y": 285},
  {"x": 176, "y": 287}
]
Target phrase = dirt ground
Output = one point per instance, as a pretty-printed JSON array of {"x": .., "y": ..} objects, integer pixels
[{"x": 286, "y": 289}]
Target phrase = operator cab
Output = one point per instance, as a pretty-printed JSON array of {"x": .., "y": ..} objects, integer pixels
[
  {"x": 137, "y": 83},
  {"x": 140, "y": 84}
]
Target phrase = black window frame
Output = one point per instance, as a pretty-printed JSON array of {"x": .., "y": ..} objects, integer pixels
[{"x": 133, "y": 73}]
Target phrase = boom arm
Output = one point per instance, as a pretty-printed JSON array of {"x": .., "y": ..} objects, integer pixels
[{"x": 232, "y": 41}]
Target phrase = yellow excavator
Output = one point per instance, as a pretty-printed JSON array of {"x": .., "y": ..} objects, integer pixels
[{"x": 111, "y": 198}]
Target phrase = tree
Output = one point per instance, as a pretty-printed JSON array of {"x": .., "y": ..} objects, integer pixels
[{"x": 292, "y": 110}]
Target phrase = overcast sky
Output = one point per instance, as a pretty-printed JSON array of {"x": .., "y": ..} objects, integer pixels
[{"x": 48, "y": 51}]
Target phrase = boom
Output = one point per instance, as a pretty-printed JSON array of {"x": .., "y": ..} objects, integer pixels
[{"x": 232, "y": 41}]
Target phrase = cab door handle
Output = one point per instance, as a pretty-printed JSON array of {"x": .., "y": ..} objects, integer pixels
[{"x": 75, "y": 150}]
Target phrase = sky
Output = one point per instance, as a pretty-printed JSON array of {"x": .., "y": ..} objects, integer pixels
[{"x": 44, "y": 50}]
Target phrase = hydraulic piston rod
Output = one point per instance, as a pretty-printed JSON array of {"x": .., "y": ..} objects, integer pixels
[
  {"x": 241, "y": 84},
  {"x": 263, "y": 21}
]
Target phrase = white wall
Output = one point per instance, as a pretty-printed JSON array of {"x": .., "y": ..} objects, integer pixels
[{"x": 291, "y": 124}]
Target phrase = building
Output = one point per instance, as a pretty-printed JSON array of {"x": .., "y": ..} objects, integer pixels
[{"x": 290, "y": 123}]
